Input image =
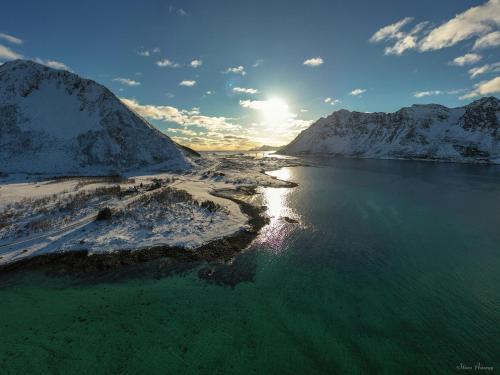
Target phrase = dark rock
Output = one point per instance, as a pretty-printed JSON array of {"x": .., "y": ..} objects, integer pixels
[{"x": 104, "y": 214}]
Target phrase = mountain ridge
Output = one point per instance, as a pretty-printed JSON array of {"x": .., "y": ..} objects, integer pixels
[
  {"x": 423, "y": 131},
  {"x": 54, "y": 121}
]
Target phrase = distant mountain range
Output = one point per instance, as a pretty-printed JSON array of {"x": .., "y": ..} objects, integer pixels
[
  {"x": 431, "y": 132},
  {"x": 53, "y": 121}
]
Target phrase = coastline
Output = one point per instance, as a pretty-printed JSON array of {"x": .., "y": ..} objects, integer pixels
[{"x": 161, "y": 257}]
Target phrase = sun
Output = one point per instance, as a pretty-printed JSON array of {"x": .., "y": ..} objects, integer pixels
[{"x": 275, "y": 111}]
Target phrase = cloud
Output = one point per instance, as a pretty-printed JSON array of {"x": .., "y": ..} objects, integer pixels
[
  {"x": 467, "y": 59},
  {"x": 488, "y": 40},
  {"x": 258, "y": 63},
  {"x": 357, "y": 92},
  {"x": 236, "y": 70},
  {"x": 147, "y": 52},
  {"x": 167, "y": 63},
  {"x": 475, "y": 21},
  {"x": 404, "y": 40},
  {"x": 331, "y": 101},
  {"x": 479, "y": 21},
  {"x": 185, "y": 132},
  {"x": 127, "y": 81},
  {"x": 187, "y": 83},
  {"x": 8, "y": 54},
  {"x": 214, "y": 141},
  {"x": 484, "y": 88},
  {"x": 179, "y": 11},
  {"x": 196, "y": 63},
  {"x": 209, "y": 92},
  {"x": 10, "y": 38},
  {"x": 421, "y": 94},
  {"x": 53, "y": 64},
  {"x": 474, "y": 72},
  {"x": 314, "y": 61},
  {"x": 242, "y": 90},
  {"x": 392, "y": 31},
  {"x": 178, "y": 116},
  {"x": 304, "y": 110},
  {"x": 254, "y": 104}
]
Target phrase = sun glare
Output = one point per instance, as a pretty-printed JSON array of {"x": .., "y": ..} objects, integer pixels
[{"x": 275, "y": 111}]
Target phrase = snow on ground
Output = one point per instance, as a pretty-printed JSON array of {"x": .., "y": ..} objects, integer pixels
[{"x": 51, "y": 215}]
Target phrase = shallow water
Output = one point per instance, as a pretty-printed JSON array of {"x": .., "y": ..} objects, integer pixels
[{"x": 392, "y": 267}]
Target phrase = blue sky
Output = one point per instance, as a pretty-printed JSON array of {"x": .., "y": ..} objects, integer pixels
[{"x": 257, "y": 72}]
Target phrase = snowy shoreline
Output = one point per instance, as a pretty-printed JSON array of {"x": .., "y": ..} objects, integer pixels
[{"x": 202, "y": 215}]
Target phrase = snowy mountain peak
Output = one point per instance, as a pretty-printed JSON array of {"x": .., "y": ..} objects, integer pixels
[
  {"x": 53, "y": 121},
  {"x": 430, "y": 131},
  {"x": 486, "y": 102}
]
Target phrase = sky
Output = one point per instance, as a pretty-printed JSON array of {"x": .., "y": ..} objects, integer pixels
[{"x": 233, "y": 74}]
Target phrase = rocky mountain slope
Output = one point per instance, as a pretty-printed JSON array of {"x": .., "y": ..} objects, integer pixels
[
  {"x": 53, "y": 121},
  {"x": 434, "y": 132}
]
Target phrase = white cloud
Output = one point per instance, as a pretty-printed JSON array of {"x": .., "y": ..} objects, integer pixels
[
  {"x": 480, "y": 21},
  {"x": 187, "y": 83},
  {"x": 421, "y": 94},
  {"x": 357, "y": 92},
  {"x": 484, "y": 88},
  {"x": 127, "y": 81},
  {"x": 314, "y": 61},
  {"x": 210, "y": 92},
  {"x": 253, "y": 104},
  {"x": 8, "y": 54},
  {"x": 467, "y": 59},
  {"x": 185, "y": 132},
  {"x": 147, "y": 52},
  {"x": 331, "y": 101},
  {"x": 167, "y": 63},
  {"x": 242, "y": 90},
  {"x": 406, "y": 41},
  {"x": 474, "y": 72},
  {"x": 10, "y": 38},
  {"x": 257, "y": 63},
  {"x": 392, "y": 31},
  {"x": 196, "y": 63},
  {"x": 179, "y": 11},
  {"x": 303, "y": 110},
  {"x": 236, "y": 70},
  {"x": 53, "y": 64},
  {"x": 488, "y": 40},
  {"x": 182, "y": 117},
  {"x": 475, "y": 21}
]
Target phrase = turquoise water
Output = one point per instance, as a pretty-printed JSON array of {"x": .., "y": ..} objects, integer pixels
[{"x": 392, "y": 268}]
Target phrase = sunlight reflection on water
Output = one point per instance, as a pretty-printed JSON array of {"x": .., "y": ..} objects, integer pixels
[{"x": 277, "y": 201}]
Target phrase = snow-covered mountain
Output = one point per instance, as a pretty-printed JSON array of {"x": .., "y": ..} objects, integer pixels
[
  {"x": 465, "y": 134},
  {"x": 53, "y": 121}
]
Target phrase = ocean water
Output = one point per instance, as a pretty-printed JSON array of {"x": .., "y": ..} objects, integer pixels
[{"x": 382, "y": 267}]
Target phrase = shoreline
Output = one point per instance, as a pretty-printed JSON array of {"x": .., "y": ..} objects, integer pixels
[{"x": 79, "y": 263}]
